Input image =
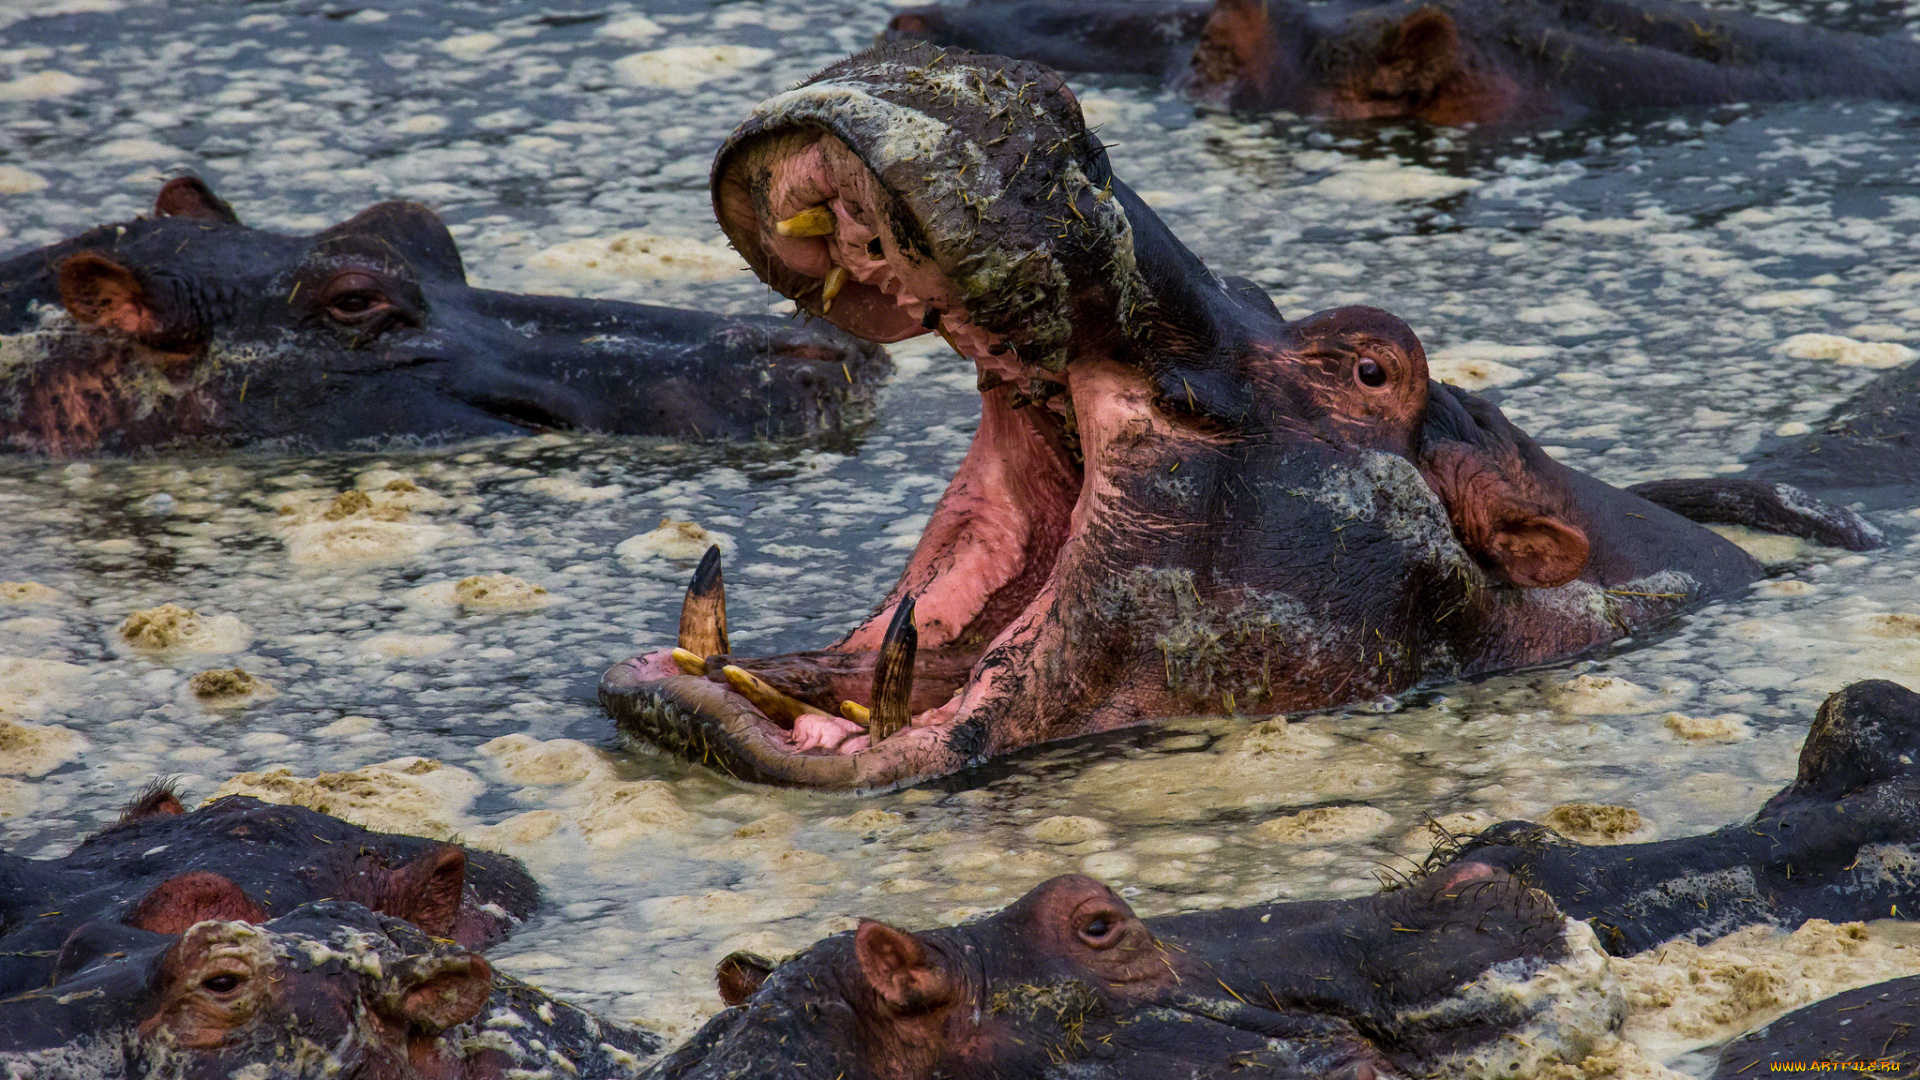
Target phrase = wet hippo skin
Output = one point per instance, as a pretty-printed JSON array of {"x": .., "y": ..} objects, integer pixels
[
  {"x": 1176, "y": 501},
  {"x": 1872, "y": 1024},
  {"x": 1476, "y": 969},
  {"x": 162, "y": 869},
  {"x": 1442, "y": 61},
  {"x": 1441, "y": 977},
  {"x": 328, "y": 989},
  {"x": 1839, "y": 843},
  {"x": 190, "y": 329}
]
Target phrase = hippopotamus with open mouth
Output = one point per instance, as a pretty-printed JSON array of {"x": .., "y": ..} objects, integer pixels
[
  {"x": 161, "y": 869},
  {"x": 1442, "y": 61},
  {"x": 189, "y": 328},
  {"x": 1473, "y": 971},
  {"x": 327, "y": 990},
  {"x": 1176, "y": 502}
]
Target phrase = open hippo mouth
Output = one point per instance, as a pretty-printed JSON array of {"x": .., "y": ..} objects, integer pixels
[{"x": 1175, "y": 502}]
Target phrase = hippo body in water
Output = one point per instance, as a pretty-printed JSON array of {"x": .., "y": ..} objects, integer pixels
[
  {"x": 1471, "y": 971},
  {"x": 1838, "y": 843},
  {"x": 189, "y": 328},
  {"x": 161, "y": 869},
  {"x": 326, "y": 990},
  {"x": 1176, "y": 502},
  {"x": 1879, "y": 1023},
  {"x": 1442, "y": 61}
]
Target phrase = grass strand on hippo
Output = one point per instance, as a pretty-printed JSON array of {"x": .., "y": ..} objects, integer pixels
[
  {"x": 190, "y": 329},
  {"x": 1442, "y": 61},
  {"x": 1485, "y": 967},
  {"x": 1176, "y": 501}
]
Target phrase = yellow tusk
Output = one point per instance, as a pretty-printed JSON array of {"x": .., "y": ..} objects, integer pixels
[
  {"x": 775, "y": 704},
  {"x": 836, "y": 280},
  {"x": 690, "y": 662},
  {"x": 813, "y": 221},
  {"x": 948, "y": 338},
  {"x": 856, "y": 712}
]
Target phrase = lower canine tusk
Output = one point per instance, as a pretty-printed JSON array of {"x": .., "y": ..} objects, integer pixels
[
  {"x": 813, "y": 221},
  {"x": 775, "y": 704},
  {"x": 830, "y": 288},
  {"x": 703, "y": 614},
  {"x": 893, "y": 674}
]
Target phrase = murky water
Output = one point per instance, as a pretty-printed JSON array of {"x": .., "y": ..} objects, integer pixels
[{"x": 1626, "y": 290}]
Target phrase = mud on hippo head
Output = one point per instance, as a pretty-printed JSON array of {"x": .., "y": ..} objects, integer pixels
[
  {"x": 329, "y": 988},
  {"x": 1176, "y": 501},
  {"x": 1069, "y": 981},
  {"x": 189, "y": 327}
]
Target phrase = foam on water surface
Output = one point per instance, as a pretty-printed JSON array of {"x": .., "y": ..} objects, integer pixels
[{"x": 1649, "y": 297}]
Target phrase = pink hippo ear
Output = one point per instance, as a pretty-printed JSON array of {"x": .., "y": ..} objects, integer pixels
[
  {"x": 1417, "y": 55},
  {"x": 899, "y": 970},
  {"x": 183, "y": 900},
  {"x": 1513, "y": 527},
  {"x": 433, "y": 993},
  {"x": 427, "y": 890},
  {"x": 1236, "y": 62},
  {"x": 190, "y": 197},
  {"x": 739, "y": 976},
  {"x": 100, "y": 292}
]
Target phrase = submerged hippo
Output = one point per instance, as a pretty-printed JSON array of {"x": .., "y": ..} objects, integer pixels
[
  {"x": 189, "y": 328},
  {"x": 1442, "y": 61},
  {"x": 1841, "y": 843},
  {"x": 1472, "y": 971},
  {"x": 1878, "y": 1024},
  {"x": 327, "y": 990},
  {"x": 161, "y": 869},
  {"x": 1176, "y": 502},
  {"x": 1481, "y": 977}
]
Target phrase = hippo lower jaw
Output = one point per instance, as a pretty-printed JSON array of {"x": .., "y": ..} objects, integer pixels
[{"x": 982, "y": 584}]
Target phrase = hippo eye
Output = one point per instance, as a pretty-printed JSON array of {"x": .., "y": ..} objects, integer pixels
[
  {"x": 1370, "y": 373},
  {"x": 355, "y": 298},
  {"x": 874, "y": 250},
  {"x": 1098, "y": 931},
  {"x": 221, "y": 984}
]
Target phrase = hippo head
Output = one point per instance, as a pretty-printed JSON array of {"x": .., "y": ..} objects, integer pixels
[
  {"x": 1348, "y": 61},
  {"x": 189, "y": 326},
  {"x": 329, "y": 989},
  {"x": 1176, "y": 501},
  {"x": 1068, "y": 981}
]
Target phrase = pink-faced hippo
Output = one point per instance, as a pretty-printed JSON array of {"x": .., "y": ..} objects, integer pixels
[{"x": 1176, "y": 501}]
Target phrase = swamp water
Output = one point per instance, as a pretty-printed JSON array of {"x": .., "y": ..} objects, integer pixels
[{"x": 1637, "y": 294}]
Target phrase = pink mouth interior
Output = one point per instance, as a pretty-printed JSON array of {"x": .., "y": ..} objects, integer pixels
[{"x": 990, "y": 549}]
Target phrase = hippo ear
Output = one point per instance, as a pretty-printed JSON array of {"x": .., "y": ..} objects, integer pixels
[
  {"x": 1237, "y": 62},
  {"x": 739, "y": 976},
  {"x": 190, "y": 197},
  {"x": 184, "y": 899},
  {"x": 1537, "y": 551},
  {"x": 427, "y": 889},
  {"x": 1417, "y": 54},
  {"x": 899, "y": 970},
  {"x": 433, "y": 993},
  {"x": 1512, "y": 526},
  {"x": 100, "y": 292}
]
